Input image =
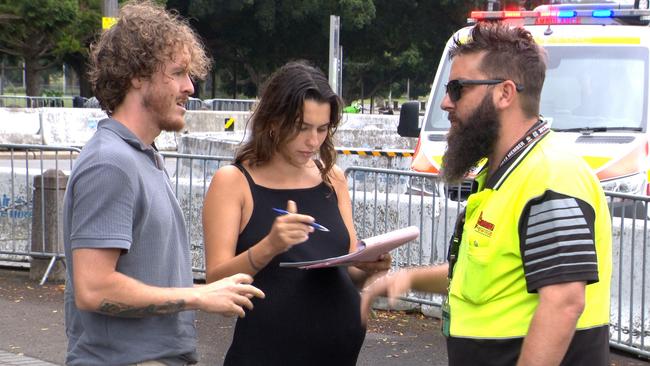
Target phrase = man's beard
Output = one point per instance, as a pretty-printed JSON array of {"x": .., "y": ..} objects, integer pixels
[
  {"x": 159, "y": 104},
  {"x": 470, "y": 140}
]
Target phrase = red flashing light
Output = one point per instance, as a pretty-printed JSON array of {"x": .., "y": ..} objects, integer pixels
[
  {"x": 500, "y": 15},
  {"x": 478, "y": 15}
]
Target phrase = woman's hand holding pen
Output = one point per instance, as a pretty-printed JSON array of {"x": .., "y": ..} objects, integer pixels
[{"x": 289, "y": 230}]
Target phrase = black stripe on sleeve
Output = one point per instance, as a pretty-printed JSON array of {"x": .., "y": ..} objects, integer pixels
[{"x": 556, "y": 234}]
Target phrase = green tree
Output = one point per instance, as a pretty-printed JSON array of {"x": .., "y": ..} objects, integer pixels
[
  {"x": 248, "y": 39},
  {"x": 73, "y": 49},
  {"x": 74, "y": 46},
  {"x": 385, "y": 42},
  {"x": 404, "y": 42},
  {"x": 36, "y": 31},
  {"x": 45, "y": 33}
]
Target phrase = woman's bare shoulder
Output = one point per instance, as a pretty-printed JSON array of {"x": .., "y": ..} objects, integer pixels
[
  {"x": 337, "y": 177},
  {"x": 230, "y": 177}
]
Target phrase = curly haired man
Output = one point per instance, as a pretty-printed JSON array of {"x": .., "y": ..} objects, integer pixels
[{"x": 129, "y": 266}]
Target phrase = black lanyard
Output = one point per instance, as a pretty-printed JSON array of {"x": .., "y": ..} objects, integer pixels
[
  {"x": 538, "y": 130},
  {"x": 454, "y": 243}
]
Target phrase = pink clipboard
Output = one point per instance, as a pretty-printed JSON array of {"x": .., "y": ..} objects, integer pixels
[{"x": 369, "y": 250}]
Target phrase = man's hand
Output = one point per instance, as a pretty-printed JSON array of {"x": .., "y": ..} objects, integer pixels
[
  {"x": 392, "y": 285},
  {"x": 381, "y": 265},
  {"x": 228, "y": 296}
]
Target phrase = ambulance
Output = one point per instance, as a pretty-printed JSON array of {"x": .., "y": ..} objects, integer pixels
[{"x": 595, "y": 95}]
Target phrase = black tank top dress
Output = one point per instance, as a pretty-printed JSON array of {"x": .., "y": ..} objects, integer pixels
[{"x": 309, "y": 317}]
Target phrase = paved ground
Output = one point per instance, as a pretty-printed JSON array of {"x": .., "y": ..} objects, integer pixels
[{"x": 32, "y": 331}]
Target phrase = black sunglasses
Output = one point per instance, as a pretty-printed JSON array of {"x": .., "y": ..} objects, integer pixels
[{"x": 455, "y": 87}]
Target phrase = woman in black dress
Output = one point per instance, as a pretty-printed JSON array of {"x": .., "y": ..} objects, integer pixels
[{"x": 309, "y": 317}]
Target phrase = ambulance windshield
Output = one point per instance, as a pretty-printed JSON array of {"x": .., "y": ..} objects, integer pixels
[{"x": 587, "y": 87}]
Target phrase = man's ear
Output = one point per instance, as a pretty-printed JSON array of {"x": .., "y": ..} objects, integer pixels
[
  {"x": 136, "y": 82},
  {"x": 505, "y": 94}
]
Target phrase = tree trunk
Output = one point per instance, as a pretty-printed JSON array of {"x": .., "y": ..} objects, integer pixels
[
  {"x": 32, "y": 77},
  {"x": 79, "y": 67},
  {"x": 362, "y": 96},
  {"x": 214, "y": 82},
  {"x": 254, "y": 76},
  {"x": 234, "y": 80}
]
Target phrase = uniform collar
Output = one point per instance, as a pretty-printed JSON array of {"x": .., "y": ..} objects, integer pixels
[{"x": 516, "y": 153}]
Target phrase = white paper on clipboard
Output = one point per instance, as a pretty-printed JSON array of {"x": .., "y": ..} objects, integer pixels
[{"x": 369, "y": 250}]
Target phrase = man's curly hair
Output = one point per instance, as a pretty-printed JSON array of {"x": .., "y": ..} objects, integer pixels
[{"x": 143, "y": 39}]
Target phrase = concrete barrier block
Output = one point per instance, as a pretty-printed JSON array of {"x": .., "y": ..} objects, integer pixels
[
  {"x": 213, "y": 121},
  {"x": 20, "y": 126},
  {"x": 69, "y": 126},
  {"x": 167, "y": 141}
]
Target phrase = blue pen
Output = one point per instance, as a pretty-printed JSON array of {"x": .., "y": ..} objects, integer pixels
[{"x": 315, "y": 225}]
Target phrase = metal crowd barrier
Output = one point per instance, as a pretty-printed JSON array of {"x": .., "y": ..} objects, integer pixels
[
  {"x": 385, "y": 199},
  {"x": 242, "y": 105},
  {"x": 18, "y": 101},
  {"x": 190, "y": 176},
  {"x": 630, "y": 306},
  {"x": 33, "y": 184},
  {"x": 12, "y": 101},
  {"x": 194, "y": 104}
]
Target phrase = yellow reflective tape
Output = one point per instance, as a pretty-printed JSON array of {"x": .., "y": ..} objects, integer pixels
[
  {"x": 229, "y": 122},
  {"x": 588, "y": 40},
  {"x": 596, "y": 162},
  {"x": 437, "y": 159},
  {"x": 108, "y": 22},
  {"x": 376, "y": 153},
  {"x": 579, "y": 40}
]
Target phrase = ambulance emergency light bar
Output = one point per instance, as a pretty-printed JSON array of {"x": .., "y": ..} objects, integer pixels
[{"x": 561, "y": 15}]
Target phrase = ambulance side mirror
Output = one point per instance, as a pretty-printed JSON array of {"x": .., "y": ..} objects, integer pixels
[{"x": 409, "y": 120}]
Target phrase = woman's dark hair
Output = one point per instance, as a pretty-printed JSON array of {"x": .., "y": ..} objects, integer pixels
[{"x": 279, "y": 114}]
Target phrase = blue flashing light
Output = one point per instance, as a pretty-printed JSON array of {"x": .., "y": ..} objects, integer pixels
[
  {"x": 566, "y": 14},
  {"x": 602, "y": 13}
]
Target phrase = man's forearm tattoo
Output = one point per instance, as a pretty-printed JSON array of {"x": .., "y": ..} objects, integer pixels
[{"x": 108, "y": 307}]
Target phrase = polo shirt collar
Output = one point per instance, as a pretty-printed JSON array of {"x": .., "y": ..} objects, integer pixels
[{"x": 130, "y": 138}]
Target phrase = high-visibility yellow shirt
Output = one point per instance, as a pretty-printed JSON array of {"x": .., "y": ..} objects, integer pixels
[{"x": 541, "y": 219}]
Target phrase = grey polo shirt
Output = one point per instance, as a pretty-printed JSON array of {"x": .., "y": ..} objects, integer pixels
[{"x": 119, "y": 196}]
